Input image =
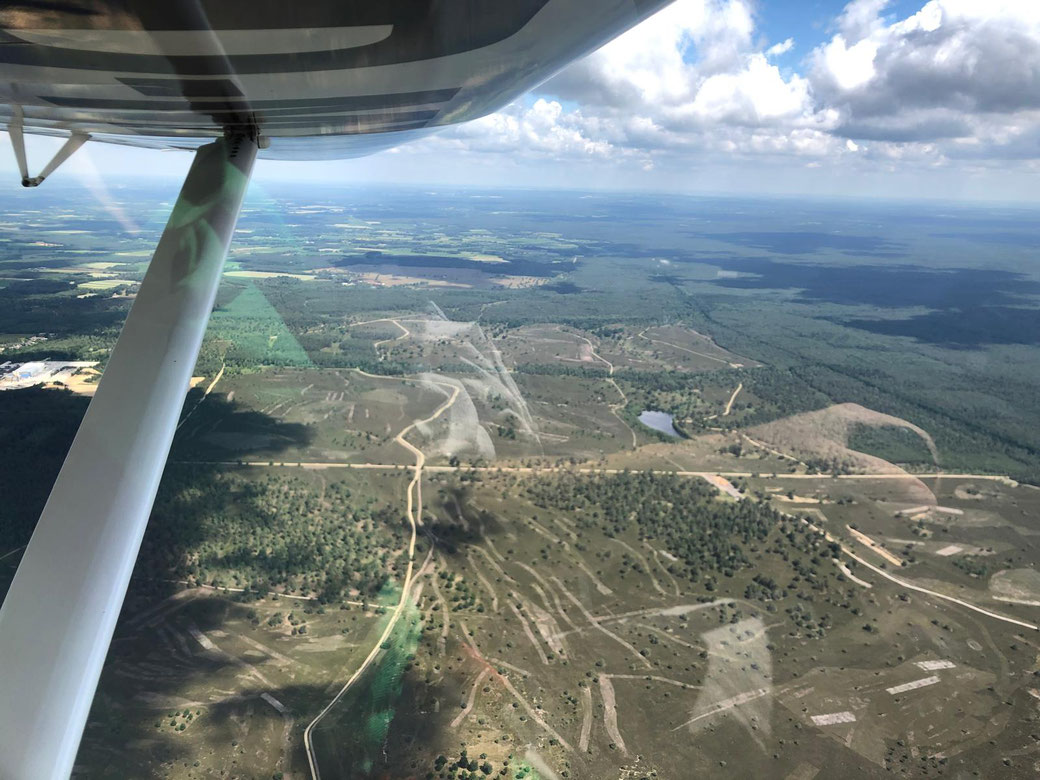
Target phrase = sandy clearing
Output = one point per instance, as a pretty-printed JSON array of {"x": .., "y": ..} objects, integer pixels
[
  {"x": 586, "y": 721},
  {"x": 1021, "y": 585},
  {"x": 723, "y": 485},
  {"x": 865, "y": 540},
  {"x": 610, "y": 719},
  {"x": 804, "y": 771},
  {"x": 971, "y": 493}
]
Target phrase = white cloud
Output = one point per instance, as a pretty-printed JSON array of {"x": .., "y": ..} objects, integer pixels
[
  {"x": 755, "y": 94},
  {"x": 780, "y": 48},
  {"x": 850, "y": 67},
  {"x": 954, "y": 69},
  {"x": 689, "y": 77},
  {"x": 959, "y": 80}
]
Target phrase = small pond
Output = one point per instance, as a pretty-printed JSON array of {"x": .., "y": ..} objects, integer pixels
[{"x": 659, "y": 421}]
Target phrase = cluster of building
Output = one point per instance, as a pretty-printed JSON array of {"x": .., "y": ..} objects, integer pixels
[
  {"x": 15, "y": 376},
  {"x": 28, "y": 341}
]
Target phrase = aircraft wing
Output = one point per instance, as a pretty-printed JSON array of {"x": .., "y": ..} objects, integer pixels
[{"x": 320, "y": 79}]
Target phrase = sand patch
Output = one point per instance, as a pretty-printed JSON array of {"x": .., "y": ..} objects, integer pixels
[
  {"x": 269, "y": 275},
  {"x": 399, "y": 280},
  {"x": 1016, "y": 584},
  {"x": 519, "y": 282},
  {"x": 821, "y": 438},
  {"x": 105, "y": 284}
]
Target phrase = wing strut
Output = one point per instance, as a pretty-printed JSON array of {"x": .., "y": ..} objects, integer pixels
[
  {"x": 61, "y": 610},
  {"x": 14, "y": 129}
]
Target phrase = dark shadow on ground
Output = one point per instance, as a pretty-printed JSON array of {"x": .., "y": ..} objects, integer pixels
[
  {"x": 884, "y": 286},
  {"x": 796, "y": 243},
  {"x": 964, "y": 328},
  {"x": 222, "y": 430},
  {"x": 36, "y": 430}
]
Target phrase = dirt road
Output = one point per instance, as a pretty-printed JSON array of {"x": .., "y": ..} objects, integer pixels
[
  {"x": 554, "y": 469},
  {"x": 732, "y": 398},
  {"x": 414, "y": 514},
  {"x": 624, "y": 398}
]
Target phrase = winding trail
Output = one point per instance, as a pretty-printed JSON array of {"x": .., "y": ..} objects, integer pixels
[
  {"x": 686, "y": 349},
  {"x": 405, "y": 333},
  {"x": 414, "y": 514},
  {"x": 732, "y": 398},
  {"x": 610, "y": 379}
]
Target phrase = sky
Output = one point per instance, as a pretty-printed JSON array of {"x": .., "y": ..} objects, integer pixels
[{"x": 876, "y": 98}]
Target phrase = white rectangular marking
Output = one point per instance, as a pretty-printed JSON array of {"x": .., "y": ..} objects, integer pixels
[
  {"x": 833, "y": 718},
  {"x": 913, "y": 685},
  {"x": 274, "y": 703},
  {"x": 934, "y": 666},
  {"x": 950, "y": 549},
  {"x": 201, "y": 638}
]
